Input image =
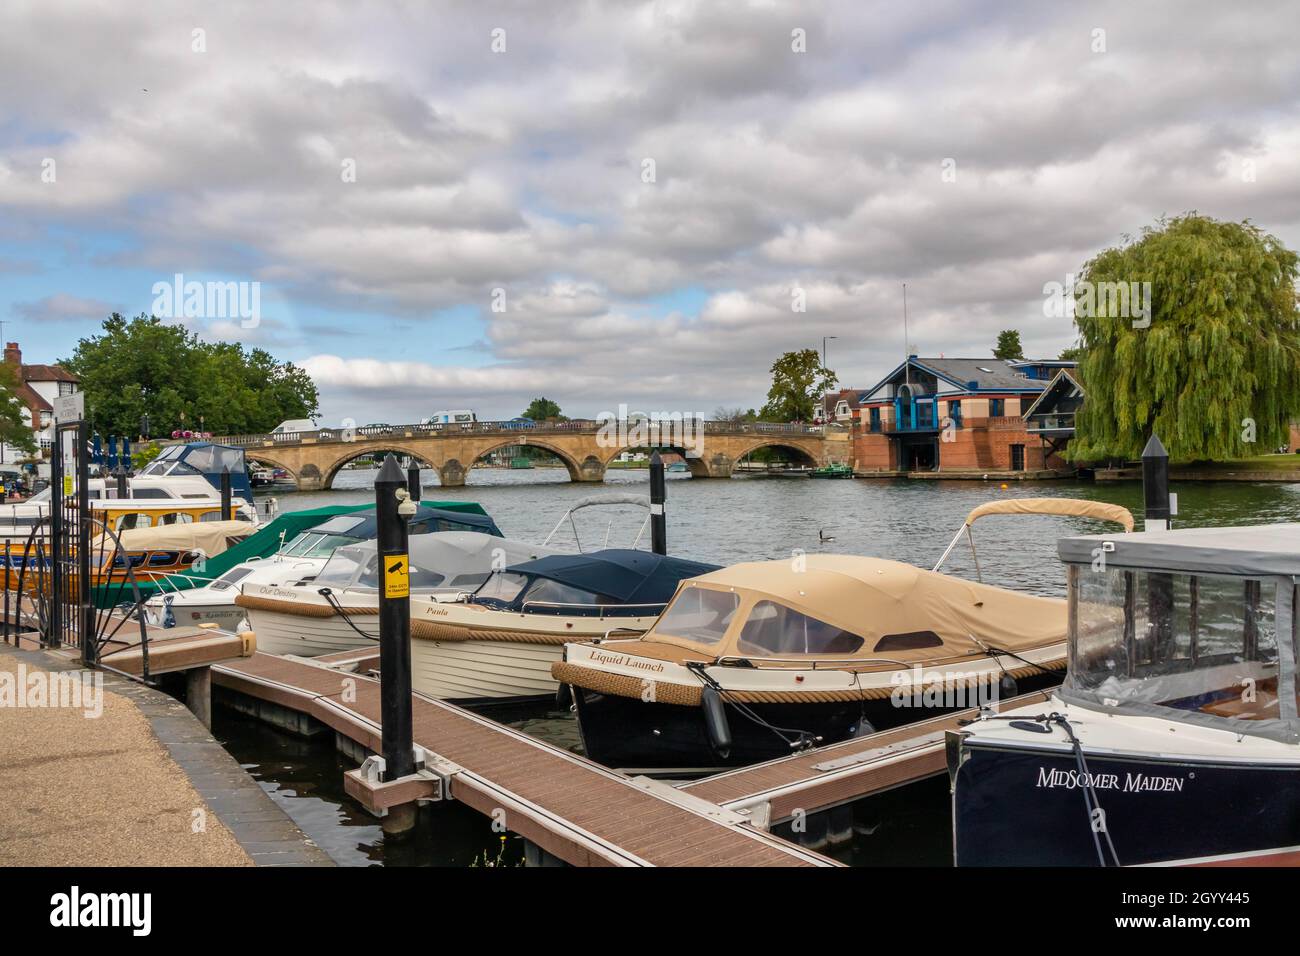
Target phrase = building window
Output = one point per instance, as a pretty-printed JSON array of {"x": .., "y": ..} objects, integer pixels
[
  {"x": 954, "y": 412},
  {"x": 997, "y": 407},
  {"x": 66, "y": 388},
  {"x": 875, "y": 419}
]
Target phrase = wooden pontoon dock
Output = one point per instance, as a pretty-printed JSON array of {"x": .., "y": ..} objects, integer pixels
[
  {"x": 574, "y": 809},
  {"x": 586, "y": 814}
]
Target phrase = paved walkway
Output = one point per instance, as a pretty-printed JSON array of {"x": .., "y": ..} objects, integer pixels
[{"x": 126, "y": 778}]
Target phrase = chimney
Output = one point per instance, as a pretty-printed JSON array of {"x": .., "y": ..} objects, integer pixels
[{"x": 13, "y": 354}]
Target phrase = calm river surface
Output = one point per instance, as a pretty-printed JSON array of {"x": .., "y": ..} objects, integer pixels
[{"x": 724, "y": 521}]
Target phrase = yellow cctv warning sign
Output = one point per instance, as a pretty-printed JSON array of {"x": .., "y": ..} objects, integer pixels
[{"x": 397, "y": 575}]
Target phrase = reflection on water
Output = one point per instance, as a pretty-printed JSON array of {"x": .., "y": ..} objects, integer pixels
[
  {"x": 751, "y": 518},
  {"x": 305, "y": 777}
]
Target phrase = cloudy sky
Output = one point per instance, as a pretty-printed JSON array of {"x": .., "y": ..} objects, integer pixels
[{"x": 619, "y": 205}]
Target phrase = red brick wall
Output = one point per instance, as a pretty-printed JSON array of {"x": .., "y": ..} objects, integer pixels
[
  {"x": 985, "y": 444},
  {"x": 873, "y": 452}
]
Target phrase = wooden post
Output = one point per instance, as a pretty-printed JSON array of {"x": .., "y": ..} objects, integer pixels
[{"x": 198, "y": 694}]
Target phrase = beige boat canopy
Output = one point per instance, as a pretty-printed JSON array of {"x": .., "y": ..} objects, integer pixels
[
  {"x": 1077, "y": 507},
  {"x": 210, "y": 537},
  {"x": 850, "y": 607}
]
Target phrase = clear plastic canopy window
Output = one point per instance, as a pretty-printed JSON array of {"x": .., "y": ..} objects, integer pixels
[{"x": 1206, "y": 649}]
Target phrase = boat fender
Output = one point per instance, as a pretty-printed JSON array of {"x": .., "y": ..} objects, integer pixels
[
  {"x": 563, "y": 697},
  {"x": 1007, "y": 687},
  {"x": 864, "y": 729},
  {"x": 715, "y": 720}
]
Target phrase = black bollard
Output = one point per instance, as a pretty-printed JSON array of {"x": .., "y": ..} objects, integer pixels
[
  {"x": 394, "y": 621},
  {"x": 225, "y": 493},
  {"x": 658, "y": 521},
  {"x": 413, "y": 480},
  {"x": 122, "y": 491},
  {"x": 1155, "y": 485}
]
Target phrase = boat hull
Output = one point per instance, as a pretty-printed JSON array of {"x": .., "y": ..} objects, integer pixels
[
  {"x": 1024, "y": 807},
  {"x": 472, "y": 672},
  {"x": 626, "y": 732},
  {"x": 309, "y": 636}
]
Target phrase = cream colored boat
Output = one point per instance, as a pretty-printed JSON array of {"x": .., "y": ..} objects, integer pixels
[{"x": 337, "y": 610}]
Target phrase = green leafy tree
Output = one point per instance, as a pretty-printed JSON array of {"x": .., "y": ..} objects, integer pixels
[
  {"x": 13, "y": 430},
  {"x": 798, "y": 383},
  {"x": 1211, "y": 363},
  {"x": 145, "y": 366},
  {"x": 1009, "y": 346},
  {"x": 543, "y": 410},
  {"x": 1073, "y": 353}
]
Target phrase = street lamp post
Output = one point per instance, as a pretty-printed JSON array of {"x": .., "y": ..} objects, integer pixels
[{"x": 824, "y": 340}]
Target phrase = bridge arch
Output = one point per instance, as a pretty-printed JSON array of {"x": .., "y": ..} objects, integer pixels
[
  {"x": 327, "y": 478},
  {"x": 589, "y": 469},
  {"x": 696, "y": 465},
  {"x": 271, "y": 461}
]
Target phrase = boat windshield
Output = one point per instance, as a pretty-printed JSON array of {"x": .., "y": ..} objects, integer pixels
[
  {"x": 1183, "y": 644},
  {"x": 313, "y": 544},
  {"x": 501, "y": 588},
  {"x": 697, "y": 614}
]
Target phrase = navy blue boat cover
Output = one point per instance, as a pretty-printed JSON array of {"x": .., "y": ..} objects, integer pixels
[{"x": 632, "y": 577}]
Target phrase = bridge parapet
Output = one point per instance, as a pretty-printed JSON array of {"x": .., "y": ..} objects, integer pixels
[
  {"x": 585, "y": 447},
  {"x": 654, "y": 431}
]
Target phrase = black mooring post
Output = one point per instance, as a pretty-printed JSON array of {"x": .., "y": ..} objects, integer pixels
[
  {"x": 413, "y": 480},
  {"x": 658, "y": 521},
  {"x": 394, "y": 621},
  {"x": 1155, "y": 485},
  {"x": 225, "y": 493},
  {"x": 121, "y": 482}
]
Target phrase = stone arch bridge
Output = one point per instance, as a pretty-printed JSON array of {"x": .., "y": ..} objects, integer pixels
[{"x": 585, "y": 447}]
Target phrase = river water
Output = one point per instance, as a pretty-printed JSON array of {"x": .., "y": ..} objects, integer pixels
[{"x": 723, "y": 521}]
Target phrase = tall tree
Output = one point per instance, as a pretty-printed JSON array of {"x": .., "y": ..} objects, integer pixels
[
  {"x": 147, "y": 366},
  {"x": 1008, "y": 346},
  {"x": 14, "y": 431},
  {"x": 1211, "y": 363},
  {"x": 798, "y": 383},
  {"x": 543, "y": 410}
]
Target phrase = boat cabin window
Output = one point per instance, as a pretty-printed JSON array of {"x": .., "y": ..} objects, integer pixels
[
  {"x": 543, "y": 594},
  {"x": 701, "y": 615},
  {"x": 129, "y": 522},
  {"x": 175, "y": 517},
  {"x": 230, "y": 578},
  {"x": 502, "y": 587},
  {"x": 1191, "y": 643},
  {"x": 775, "y": 630}
]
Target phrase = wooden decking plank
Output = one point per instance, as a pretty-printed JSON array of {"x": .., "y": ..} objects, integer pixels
[{"x": 561, "y": 785}]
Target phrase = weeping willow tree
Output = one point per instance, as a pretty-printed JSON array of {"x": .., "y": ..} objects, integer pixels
[{"x": 1207, "y": 355}]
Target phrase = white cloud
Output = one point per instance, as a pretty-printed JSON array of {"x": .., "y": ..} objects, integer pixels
[{"x": 522, "y": 171}]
